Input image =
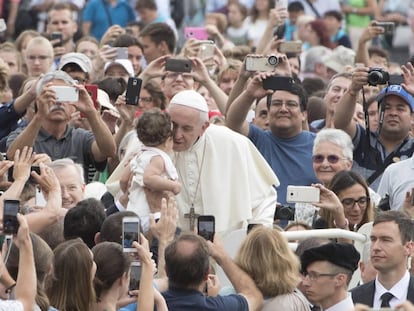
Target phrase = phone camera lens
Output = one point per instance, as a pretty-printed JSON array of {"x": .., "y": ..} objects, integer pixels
[{"x": 273, "y": 60}]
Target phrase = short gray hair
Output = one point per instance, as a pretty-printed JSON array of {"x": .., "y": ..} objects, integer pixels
[
  {"x": 314, "y": 56},
  {"x": 54, "y": 75},
  {"x": 67, "y": 162},
  {"x": 337, "y": 137}
]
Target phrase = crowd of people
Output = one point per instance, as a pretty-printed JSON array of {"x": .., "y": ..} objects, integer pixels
[{"x": 236, "y": 101}]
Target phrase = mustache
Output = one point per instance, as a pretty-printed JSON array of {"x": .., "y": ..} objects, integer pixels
[{"x": 56, "y": 108}]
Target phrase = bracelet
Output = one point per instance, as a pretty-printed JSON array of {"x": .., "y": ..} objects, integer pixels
[
  {"x": 343, "y": 227},
  {"x": 9, "y": 289}
]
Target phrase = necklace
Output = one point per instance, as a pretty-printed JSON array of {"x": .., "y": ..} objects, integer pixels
[{"x": 191, "y": 215}]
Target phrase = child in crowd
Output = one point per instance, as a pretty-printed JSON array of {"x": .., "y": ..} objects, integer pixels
[{"x": 152, "y": 171}]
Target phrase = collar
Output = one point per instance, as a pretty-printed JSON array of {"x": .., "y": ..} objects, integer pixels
[
  {"x": 345, "y": 304},
  {"x": 45, "y": 135},
  {"x": 399, "y": 290}
]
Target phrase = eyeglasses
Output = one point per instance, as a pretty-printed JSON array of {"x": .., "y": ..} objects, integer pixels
[
  {"x": 41, "y": 58},
  {"x": 289, "y": 104},
  {"x": 332, "y": 158},
  {"x": 350, "y": 202},
  {"x": 174, "y": 75},
  {"x": 146, "y": 99},
  {"x": 313, "y": 276}
]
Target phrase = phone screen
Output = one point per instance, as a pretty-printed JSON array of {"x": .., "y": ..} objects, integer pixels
[
  {"x": 130, "y": 233},
  {"x": 135, "y": 275},
  {"x": 206, "y": 227},
  {"x": 10, "y": 210}
]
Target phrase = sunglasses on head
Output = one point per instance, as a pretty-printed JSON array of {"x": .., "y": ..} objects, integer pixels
[{"x": 332, "y": 158}]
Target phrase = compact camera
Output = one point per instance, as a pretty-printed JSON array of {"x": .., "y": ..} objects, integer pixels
[
  {"x": 378, "y": 76},
  {"x": 284, "y": 213},
  {"x": 265, "y": 63}
]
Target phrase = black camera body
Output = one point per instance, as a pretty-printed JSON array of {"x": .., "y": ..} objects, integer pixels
[
  {"x": 378, "y": 76},
  {"x": 284, "y": 212}
]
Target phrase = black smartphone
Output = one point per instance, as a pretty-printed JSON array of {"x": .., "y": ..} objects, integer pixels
[
  {"x": 34, "y": 168},
  {"x": 135, "y": 275},
  {"x": 133, "y": 90},
  {"x": 396, "y": 79},
  {"x": 130, "y": 233},
  {"x": 206, "y": 226},
  {"x": 251, "y": 226},
  {"x": 278, "y": 83},
  {"x": 412, "y": 197},
  {"x": 57, "y": 36},
  {"x": 10, "y": 210},
  {"x": 178, "y": 65}
]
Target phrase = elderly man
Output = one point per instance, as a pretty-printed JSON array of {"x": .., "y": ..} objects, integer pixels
[
  {"x": 222, "y": 173},
  {"x": 327, "y": 271},
  {"x": 49, "y": 132}
]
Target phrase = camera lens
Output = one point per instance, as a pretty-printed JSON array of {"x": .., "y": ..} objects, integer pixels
[
  {"x": 273, "y": 60},
  {"x": 375, "y": 77}
]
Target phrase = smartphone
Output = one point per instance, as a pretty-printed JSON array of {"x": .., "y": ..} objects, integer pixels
[
  {"x": 199, "y": 33},
  {"x": 93, "y": 93},
  {"x": 10, "y": 210},
  {"x": 133, "y": 90},
  {"x": 263, "y": 63},
  {"x": 388, "y": 26},
  {"x": 281, "y": 4},
  {"x": 412, "y": 197},
  {"x": 135, "y": 275},
  {"x": 34, "y": 168},
  {"x": 65, "y": 93},
  {"x": 206, "y": 49},
  {"x": 303, "y": 194},
  {"x": 291, "y": 47},
  {"x": 178, "y": 65},
  {"x": 57, "y": 36},
  {"x": 122, "y": 53},
  {"x": 3, "y": 26},
  {"x": 130, "y": 233},
  {"x": 278, "y": 83},
  {"x": 251, "y": 226},
  {"x": 206, "y": 227}
]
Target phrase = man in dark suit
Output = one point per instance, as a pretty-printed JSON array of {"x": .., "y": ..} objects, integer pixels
[{"x": 391, "y": 245}]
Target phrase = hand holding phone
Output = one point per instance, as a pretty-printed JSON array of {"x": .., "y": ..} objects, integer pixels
[
  {"x": 206, "y": 227},
  {"x": 10, "y": 222}
]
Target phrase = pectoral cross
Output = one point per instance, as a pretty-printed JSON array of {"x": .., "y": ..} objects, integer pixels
[{"x": 192, "y": 216}]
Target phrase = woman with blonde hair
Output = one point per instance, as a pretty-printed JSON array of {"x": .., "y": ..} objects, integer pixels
[{"x": 266, "y": 257}]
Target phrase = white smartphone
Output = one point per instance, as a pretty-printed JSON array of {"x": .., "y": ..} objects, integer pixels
[
  {"x": 65, "y": 93},
  {"x": 122, "y": 53},
  {"x": 3, "y": 26},
  {"x": 281, "y": 4},
  {"x": 206, "y": 49},
  {"x": 302, "y": 194},
  {"x": 290, "y": 47},
  {"x": 130, "y": 233}
]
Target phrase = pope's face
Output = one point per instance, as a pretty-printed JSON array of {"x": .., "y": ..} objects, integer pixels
[{"x": 187, "y": 126}]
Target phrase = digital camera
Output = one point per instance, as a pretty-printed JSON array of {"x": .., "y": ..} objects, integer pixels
[
  {"x": 264, "y": 63},
  {"x": 284, "y": 212},
  {"x": 378, "y": 76}
]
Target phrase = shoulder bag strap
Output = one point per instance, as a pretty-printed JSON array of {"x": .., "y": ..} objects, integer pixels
[{"x": 313, "y": 9}]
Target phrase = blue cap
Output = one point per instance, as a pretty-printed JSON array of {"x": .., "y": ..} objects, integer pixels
[{"x": 399, "y": 91}]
